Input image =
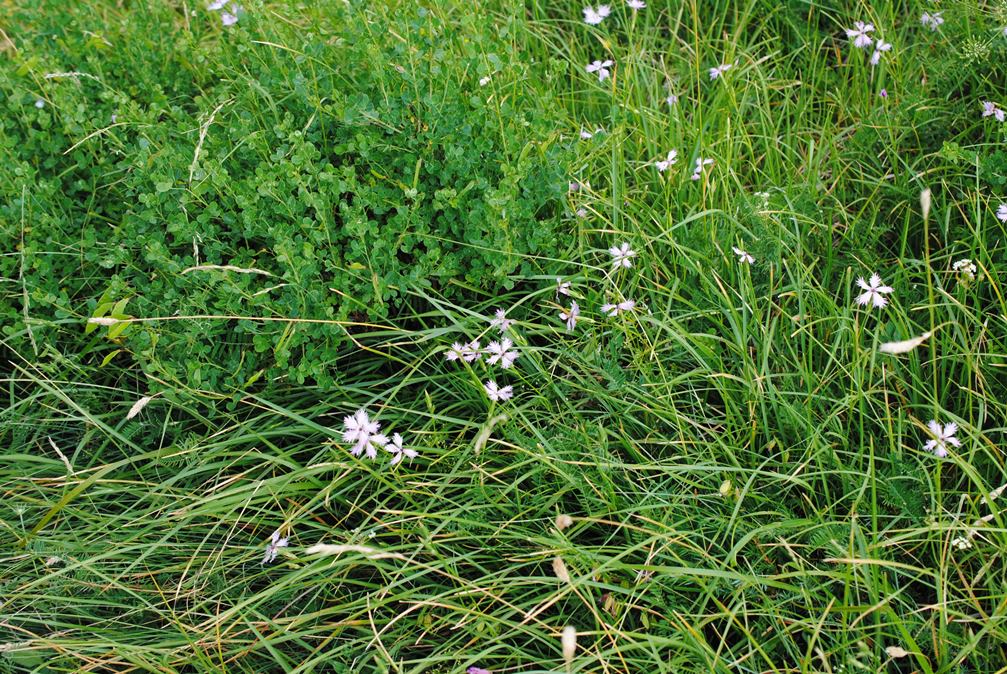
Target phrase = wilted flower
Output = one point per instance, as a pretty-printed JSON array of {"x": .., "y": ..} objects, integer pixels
[
  {"x": 718, "y": 71},
  {"x": 990, "y": 109},
  {"x": 594, "y": 16},
  {"x": 932, "y": 21},
  {"x": 942, "y": 437},
  {"x": 879, "y": 46},
  {"x": 363, "y": 433},
  {"x": 1002, "y": 213},
  {"x": 622, "y": 255},
  {"x": 274, "y": 545},
  {"x": 395, "y": 447},
  {"x": 636, "y": 4},
  {"x": 501, "y": 352},
  {"x": 498, "y": 393},
  {"x": 600, "y": 67},
  {"x": 874, "y": 291},
  {"x": 966, "y": 268},
  {"x": 669, "y": 161},
  {"x": 570, "y": 316},
  {"x": 743, "y": 257},
  {"x": 860, "y": 34},
  {"x": 616, "y": 309},
  {"x": 501, "y": 322},
  {"x": 562, "y": 287}
]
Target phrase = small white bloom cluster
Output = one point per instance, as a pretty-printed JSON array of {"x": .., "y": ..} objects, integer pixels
[
  {"x": 365, "y": 436},
  {"x": 230, "y": 13},
  {"x": 961, "y": 543},
  {"x": 966, "y": 268}
]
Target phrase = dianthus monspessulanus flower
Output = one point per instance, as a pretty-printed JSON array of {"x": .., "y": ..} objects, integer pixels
[
  {"x": 501, "y": 352},
  {"x": 228, "y": 18},
  {"x": 501, "y": 322},
  {"x": 879, "y": 47},
  {"x": 273, "y": 547},
  {"x": 636, "y": 5},
  {"x": 860, "y": 34},
  {"x": 672, "y": 99},
  {"x": 990, "y": 109},
  {"x": 697, "y": 172},
  {"x": 1002, "y": 213},
  {"x": 612, "y": 310},
  {"x": 363, "y": 433},
  {"x": 600, "y": 67},
  {"x": 942, "y": 437},
  {"x": 217, "y": 5},
  {"x": 395, "y": 447},
  {"x": 562, "y": 287},
  {"x": 570, "y": 316},
  {"x": 622, "y": 255},
  {"x": 743, "y": 257},
  {"x": 455, "y": 352},
  {"x": 471, "y": 352},
  {"x": 718, "y": 71},
  {"x": 932, "y": 21},
  {"x": 593, "y": 16},
  {"x": 874, "y": 292},
  {"x": 498, "y": 393},
  {"x": 669, "y": 161}
]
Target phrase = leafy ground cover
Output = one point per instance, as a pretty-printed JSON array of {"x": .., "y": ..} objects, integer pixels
[{"x": 503, "y": 336}]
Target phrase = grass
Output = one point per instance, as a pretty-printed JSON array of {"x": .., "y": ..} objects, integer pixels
[{"x": 743, "y": 468}]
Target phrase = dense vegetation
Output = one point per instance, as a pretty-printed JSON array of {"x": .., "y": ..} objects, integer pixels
[{"x": 226, "y": 230}]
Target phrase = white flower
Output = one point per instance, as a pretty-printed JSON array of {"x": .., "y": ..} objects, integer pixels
[
  {"x": 228, "y": 19},
  {"x": 932, "y": 21},
  {"x": 879, "y": 46},
  {"x": 396, "y": 448},
  {"x": 455, "y": 352},
  {"x": 593, "y": 16},
  {"x": 672, "y": 99},
  {"x": 874, "y": 292},
  {"x": 1002, "y": 213},
  {"x": 664, "y": 164},
  {"x": 501, "y": 322},
  {"x": 991, "y": 109},
  {"x": 363, "y": 433},
  {"x": 274, "y": 545},
  {"x": 718, "y": 71},
  {"x": 961, "y": 543},
  {"x": 966, "y": 267},
  {"x": 743, "y": 257},
  {"x": 859, "y": 34},
  {"x": 582, "y": 213},
  {"x": 484, "y": 81},
  {"x": 616, "y": 309},
  {"x": 636, "y": 4},
  {"x": 570, "y": 316},
  {"x": 498, "y": 393},
  {"x": 39, "y": 104},
  {"x": 621, "y": 255},
  {"x": 942, "y": 437},
  {"x": 700, "y": 163},
  {"x": 217, "y": 5},
  {"x": 600, "y": 67},
  {"x": 471, "y": 352},
  {"x": 562, "y": 287},
  {"x": 501, "y": 351}
]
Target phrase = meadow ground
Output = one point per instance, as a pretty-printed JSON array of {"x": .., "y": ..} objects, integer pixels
[{"x": 503, "y": 336}]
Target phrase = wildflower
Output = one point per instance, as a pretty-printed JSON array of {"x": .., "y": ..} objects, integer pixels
[
  {"x": 455, "y": 352},
  {"x": 501, "y": 322},
  {"x": 873, "y": 291},
  {"x": 228, "y": 18},
  {"x": 570, "y": 316},
  {"x": 718, "y": 71},
  {"x": 612, "y": 310},
  {"x": 588, "y": 135},
  {"x": 471, "y": 351},
  {"x": 574, "y": 187},
  {"x": 991, "y": 109},
  {"x": 498, "y": 393},
  {"x": 484, "y": 81},
  {"x": 743, "y": 257},
  {"x": 859, "y": 34},
  {"x": 636, "y": 4},
  {"x": 593, "y": 17},
  {"x": 621, "y": 255},
  {"x": 961, "y": 543},
  {"x": 39, "y": 103},
  {"x": 883, "y": 93},
  {"x": 879, "y": 46},
  {"x": 477, "y": 670},
  {"x": 274, "y": 545},
  {"x": 581, "y": 212},
  {"x": 600, "y": 67},
  {"x": 700, "y": 163},
  {"x": 363, "y": 432},
  {"x": 932, "y": 21},
  {"x": 663, "y": 164},
  {"x": 672, "y": 99},
  {"x": 1005, "y": 31},
  {"x": 217, "y": 5},
  {"x": 501, "y": 351},
  {"x": 965, "y": 267},
  {"x": 396, "y": 448},
  {"x": 1002, "y": 213},
  {"x": 562, "y": 287},
  {"x": 942, "y": 437}
]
